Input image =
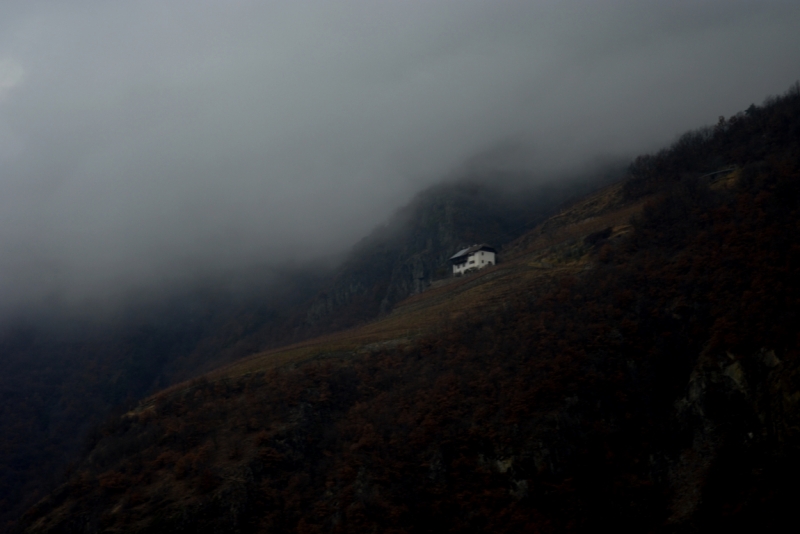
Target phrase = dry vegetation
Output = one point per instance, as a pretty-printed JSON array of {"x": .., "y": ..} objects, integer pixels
[
  {"x": 553, "y": 249},
  {"x": 633, "y": 365}
]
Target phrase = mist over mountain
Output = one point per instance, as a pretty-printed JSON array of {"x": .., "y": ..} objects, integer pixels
[
  {"x": 61, "y": 372},
  {"x": 146, "y": 146},
  {"x": 64, "y": 369},
  {"x": 190, "y": 186},
  {"x": 632, "y": 363},
  {"x": 411, "y": 250}
]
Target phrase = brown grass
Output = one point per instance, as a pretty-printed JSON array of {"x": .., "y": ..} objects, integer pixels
[{"x": 552, "y": 249}]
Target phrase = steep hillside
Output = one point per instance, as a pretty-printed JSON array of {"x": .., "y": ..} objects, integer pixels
[
  {"x": 529, "y": 262},
  {"x": 406, "y": 255},
  {"x": 633, "y": 364},
  {"x": 60, "y": 376},
  {"x": 444, "y": 304}
]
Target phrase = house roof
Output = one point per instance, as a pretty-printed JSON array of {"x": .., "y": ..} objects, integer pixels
[{"x": 471, "y": 250}]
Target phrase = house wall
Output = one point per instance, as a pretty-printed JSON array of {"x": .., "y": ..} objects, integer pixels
[{"x": 476, "y": 260}]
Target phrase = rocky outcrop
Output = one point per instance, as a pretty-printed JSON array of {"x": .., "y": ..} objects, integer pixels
[{"x": 740, "y": 413}]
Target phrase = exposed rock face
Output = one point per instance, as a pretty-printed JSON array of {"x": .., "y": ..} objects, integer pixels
[{"x": 736, "y": 408}]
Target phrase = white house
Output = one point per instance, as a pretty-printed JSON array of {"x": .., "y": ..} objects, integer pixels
[{"x": 472, "y": 258}]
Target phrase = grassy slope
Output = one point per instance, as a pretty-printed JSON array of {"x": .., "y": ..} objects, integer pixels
[
  {"x": 534, "y": 262},
  {"x": 554, "y": 248},
  {"x": 643, "y": 377},
  {"x": 508, "y": 408}
]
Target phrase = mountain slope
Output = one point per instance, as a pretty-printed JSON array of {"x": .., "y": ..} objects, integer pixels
[
  {"x": 404, "y": 256},
  {"x": 61, "y": 376},
  {"x": 427, "y": 313},
  {"x": 635, "y": 364}
]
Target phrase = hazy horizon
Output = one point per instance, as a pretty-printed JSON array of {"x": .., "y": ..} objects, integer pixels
[{"x": 147, "y": 144}]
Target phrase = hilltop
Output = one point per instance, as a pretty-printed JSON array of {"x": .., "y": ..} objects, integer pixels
[{"x": 632, "y": 363}]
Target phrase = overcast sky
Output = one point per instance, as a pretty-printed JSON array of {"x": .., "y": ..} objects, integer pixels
[{"x": 144, "y": 142}]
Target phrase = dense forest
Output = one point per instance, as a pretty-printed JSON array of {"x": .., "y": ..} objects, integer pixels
[{"x": 656, "y": 390}]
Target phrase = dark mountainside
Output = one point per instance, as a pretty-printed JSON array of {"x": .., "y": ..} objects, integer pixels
[
  {"x": 60, "y": 377},
  {"x": 403, "y": 257},
  {"x": 651, "y": 383}
]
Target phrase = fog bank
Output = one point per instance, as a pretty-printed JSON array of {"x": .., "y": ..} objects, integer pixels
[{"x": 148, "y": 144}]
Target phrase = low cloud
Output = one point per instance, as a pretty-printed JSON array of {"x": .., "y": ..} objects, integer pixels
[{"x": 147, "y": 144}]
